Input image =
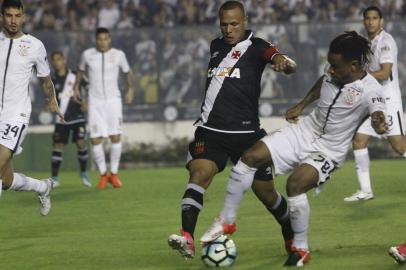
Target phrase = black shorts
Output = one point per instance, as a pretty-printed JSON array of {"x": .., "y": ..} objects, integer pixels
[
  {"x": 62, "y": 132},
  {"x": 219, "y": 147}
]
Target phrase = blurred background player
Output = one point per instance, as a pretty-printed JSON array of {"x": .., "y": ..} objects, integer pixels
[
  {"x": 383, "y": 66},
  {"x": 75, "y": 123},
  {"x": 229, "y": 122},
  {"x": 20, "y": 56},
  {"x": 102, "y": 65}
]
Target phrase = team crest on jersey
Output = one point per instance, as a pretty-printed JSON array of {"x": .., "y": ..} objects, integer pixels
[
  {"x": 352, "y": 96},
  {"x": 236, "y": 54},
  {"x": 215, "y": 54},
  {"x": 23, "y": 49},
  {"x": 199, "y": 148}
]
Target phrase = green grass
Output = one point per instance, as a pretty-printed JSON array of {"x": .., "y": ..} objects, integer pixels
[{"x": 127, "y": 228}]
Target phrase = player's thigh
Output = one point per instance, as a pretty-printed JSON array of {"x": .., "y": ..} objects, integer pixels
[
  {"x": 284, "y": 147},
  {"x": 79, "y": 133},
  {"x": 114, "y": 117},
  {"x": 13, "y": 134},
  {"x": 394, "y": 119},
  {"x": 206, "y": 155},
  {"x": 97, "y": 120},
  {"x": 61, "y": 134},
  {"x": 6, "y": 169}
]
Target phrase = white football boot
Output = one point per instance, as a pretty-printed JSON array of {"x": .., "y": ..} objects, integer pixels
[
  {"x": 45, "y": 198},
  {"x": 218, "y": 228},
  {"x": 359, "y": 196}
]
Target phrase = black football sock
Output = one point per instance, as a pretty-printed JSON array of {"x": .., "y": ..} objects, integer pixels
[{"x": 192, "y": 203}]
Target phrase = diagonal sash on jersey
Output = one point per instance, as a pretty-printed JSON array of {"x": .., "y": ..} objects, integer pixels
[{"x": 66, "y": 93}]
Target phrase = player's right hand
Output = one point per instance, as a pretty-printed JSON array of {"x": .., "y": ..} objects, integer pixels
[{"x": 292, "y": 114}]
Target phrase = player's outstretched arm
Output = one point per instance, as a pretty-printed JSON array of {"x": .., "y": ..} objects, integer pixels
[
  {"x": 292, "y": 114},
  {"x": 49, "y": 90},
  {"x": 282, "y": 63},
  {"x": 378, "y": 122},
  {"x": 129, "y": 97}
]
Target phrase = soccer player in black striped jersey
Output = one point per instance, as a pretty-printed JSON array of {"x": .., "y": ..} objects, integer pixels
[
  {"x": 229, "y": 122},
  {"x": 74, "y": 123}
]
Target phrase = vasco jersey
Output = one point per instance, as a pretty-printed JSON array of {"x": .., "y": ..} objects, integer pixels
[
  {"x": 70, "y": 109},
  {"x": 18, "y": 59},
  {"x": 385, "y": 51},
  {"x": 233, "y": 84},
  {"x": 339, "y": 112},
  {"x": 103, "y": 71}
]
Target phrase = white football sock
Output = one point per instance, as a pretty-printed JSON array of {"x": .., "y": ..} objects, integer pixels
[
  {"x": 25, "y": 183},
  {"x": 99, "y": 157},
  {"x": 239, "y": 181},
  {"x": 361, "y": 157},
  {"x": 115, "y": 155},
  {"x": 1, "y": 186},
  {"x": 404, "y": 155},
  {"x": 299, "y": 211}
]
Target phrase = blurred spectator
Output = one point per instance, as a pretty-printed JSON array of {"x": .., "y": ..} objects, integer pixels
[{"x": 108, "y": 15}]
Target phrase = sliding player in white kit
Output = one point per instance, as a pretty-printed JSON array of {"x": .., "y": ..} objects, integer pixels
[
  {"x": 314, "y": 147},
  {"x": 20, "y": 55},
  {"x": 384, "y": 67},
  {"x": 103, "y": 65}
]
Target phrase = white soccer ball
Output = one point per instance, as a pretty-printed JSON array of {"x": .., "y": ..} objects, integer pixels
[{"x": 219, "y": 253}]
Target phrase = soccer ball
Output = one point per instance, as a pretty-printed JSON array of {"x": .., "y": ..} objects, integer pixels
[{"x": 219, "y": 253}]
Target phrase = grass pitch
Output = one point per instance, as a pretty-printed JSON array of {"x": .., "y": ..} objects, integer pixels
[{"x": 127, "y": 228}]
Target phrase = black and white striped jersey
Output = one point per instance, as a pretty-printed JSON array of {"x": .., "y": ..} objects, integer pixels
[{"x": 233, "y": 84}]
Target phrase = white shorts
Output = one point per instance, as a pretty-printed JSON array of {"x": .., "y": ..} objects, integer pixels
[
  {"x": 105, "y": 118},
  {"x": 12, "y": 135},
  {"x": 289, "y": 149},
  {"x": 394, "y": 118}
]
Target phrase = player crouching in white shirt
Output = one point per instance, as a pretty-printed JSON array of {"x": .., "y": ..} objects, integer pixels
[{"x": 313, "y": 148}]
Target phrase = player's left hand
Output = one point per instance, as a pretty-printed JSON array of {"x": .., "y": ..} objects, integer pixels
[
  {"x": 54, "y": 108},
  {"x": 129, "y": 97},
  {"x": 292, "y": 114}
]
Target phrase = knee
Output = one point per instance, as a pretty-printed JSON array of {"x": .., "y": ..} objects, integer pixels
[
  {"x": 293, "y": 187},
  {"x": 359, "y": 142},
  {"x": 200, "y": 177},
  {"x": 399, "y": 148}
]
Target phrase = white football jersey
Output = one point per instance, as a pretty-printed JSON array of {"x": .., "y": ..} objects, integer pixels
[
  {"x": 385, "y": 51},
  {"x": 332, "y": 124},
  {"x": 103, "y": 71},
  {"x": 19, "y": 58}
]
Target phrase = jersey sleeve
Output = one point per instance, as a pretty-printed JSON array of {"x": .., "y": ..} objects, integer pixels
[
  {"x": 125, "y": 67},
  {"x": 82, "y": 63},
  {"x": 387, "y": 52},
  {"x": 375, "y": 101},
  {"x": 269, "y": 52},
  {"x": 41, "y": 62}
]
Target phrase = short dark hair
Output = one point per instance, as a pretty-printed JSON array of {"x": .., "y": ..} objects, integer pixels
[
  {"x": 11, "y": 3},
  {"x": 351, "y": 46},
  {"x": 232, "y": 5},
  {"x": 102, "y": 30},
  {"x": 372, "y": 8},
  {"x": 55, "y": 53}
]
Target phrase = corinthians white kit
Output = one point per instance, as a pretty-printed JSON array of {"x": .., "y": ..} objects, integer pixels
[
  {"x": 105, "y": 106},
  {"x": 385, "y": 51},
  {"x": 323, "y": 138},
  {"x": 18, "y": 59}
]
